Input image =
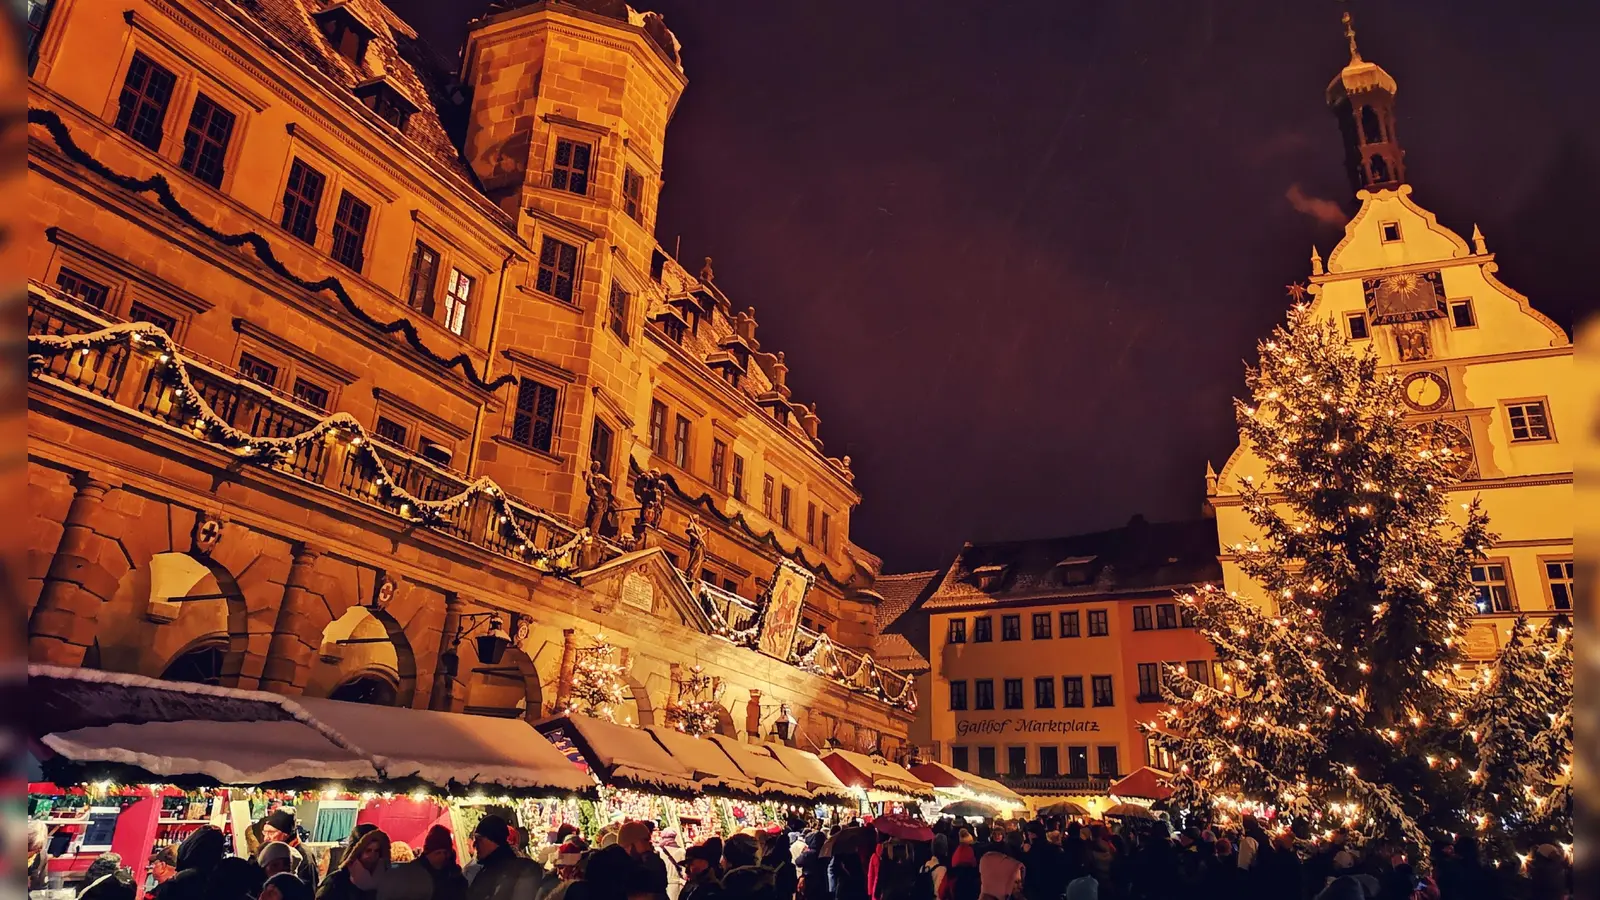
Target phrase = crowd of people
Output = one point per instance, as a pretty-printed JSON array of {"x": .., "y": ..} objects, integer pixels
[{"x": 1041, "y": 859}]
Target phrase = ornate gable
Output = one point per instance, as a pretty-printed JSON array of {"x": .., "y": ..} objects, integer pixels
[{"x": 645, "y": 582}]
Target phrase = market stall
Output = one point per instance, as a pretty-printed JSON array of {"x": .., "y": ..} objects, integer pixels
[
  {"x": 1144, "y": 786},
  {"x": 809, "y": 769},
  {"x": 886, "y": 786},
  {"x": 952, "y": 786}
]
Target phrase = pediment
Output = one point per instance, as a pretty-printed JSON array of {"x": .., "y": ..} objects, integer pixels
[{"x": 645, "y": 582}]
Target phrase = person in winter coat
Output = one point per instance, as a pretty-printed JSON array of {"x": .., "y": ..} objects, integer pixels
[
  {"x": 648, "y": 871},
  {"x": 284, "y": 886},
  {"x": 963, "y": 881},
  {"x": 235, "y": 878},
  {"x": 775, "y": 855},
  {"x": 1000, "y": 875},
  {"x": 672, "y": 855},
  {"x": 932, "y": 873},
  {"x": 360, "y": 870},
  {"x": 280, "y": 826},
  {"x": 1343, "y": 887},
  {"x": 106, "y": 879},
  {"x": 1548, "y": 873},
  {"x": 502, "y": 874},
  {"x": 813, "y": 868},
  {"x": 700, "y": 880},
  {"x": 847, "y": 876},
  {"x": 749, "y": 883},
  {"x": 199, "y": 853},
  {"x": 432, "y": 875}
]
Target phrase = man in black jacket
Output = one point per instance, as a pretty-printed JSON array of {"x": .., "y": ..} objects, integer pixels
[
  {"x": 503, "y": 875},
  {"x": 280, "y": 826}
]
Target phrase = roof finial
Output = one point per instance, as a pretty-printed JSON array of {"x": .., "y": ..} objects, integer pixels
[{"x": 1350, "y": 35}]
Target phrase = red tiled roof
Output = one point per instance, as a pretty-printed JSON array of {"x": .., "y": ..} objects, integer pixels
[
  {"x": 894, "y": 652},
  {"x": 899, "y": 592}
]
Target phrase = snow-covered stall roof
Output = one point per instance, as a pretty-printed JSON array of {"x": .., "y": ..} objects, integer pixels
[
  {"x": 942, "y": 776},
  {"x": 765, "y": 769},
  {"x": 229, "y": 753},
  {"x": 706, "y": 760},
  {"x": 621, "y": 756},
  {"x": 66, "y": 699},
  {"x": 808, "y": 767},
  {"x": 1145, "y": 783},
  {"x": 451, "y": 750},
  {"x": 877, "y": 775}
]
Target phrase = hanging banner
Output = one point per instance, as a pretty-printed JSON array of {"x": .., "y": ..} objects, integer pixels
[{"x": 780, "y": 619}]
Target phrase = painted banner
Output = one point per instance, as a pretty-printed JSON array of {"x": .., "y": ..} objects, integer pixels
[{"x": 781, "y": 619}]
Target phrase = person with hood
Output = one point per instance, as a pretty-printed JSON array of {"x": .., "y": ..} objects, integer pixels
[
  {"x": 197, "y": 856},
  {"x": 1000, "y": 875},
  {"x": 672, "y": 855},
  {"x": 813, "y": 867},
  {"x": 360, "y": 870},
  {"x": 280, "y": 826},
  {"x": 284, "y": 886},
  {"x": 930, "y": 878},
  {"x": 847, "y": 872},
  {"x": 700, "y": 881},
  {"x": 775, "y": 855},
  {"x": 963, "y": 881},
  {"x": 432, "y": 875},
  {"x": 502, "y": 874}
]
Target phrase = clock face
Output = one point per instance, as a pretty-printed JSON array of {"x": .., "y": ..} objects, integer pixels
[
  {"x": 1450, "y": 437},
  {"x": 1425, "y": 391}
]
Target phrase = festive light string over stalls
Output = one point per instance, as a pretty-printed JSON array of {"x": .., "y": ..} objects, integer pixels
[{"x": 1340, "y": 696}]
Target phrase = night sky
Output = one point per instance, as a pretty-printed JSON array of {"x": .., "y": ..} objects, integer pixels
[{"x": 1017, "y": 252}]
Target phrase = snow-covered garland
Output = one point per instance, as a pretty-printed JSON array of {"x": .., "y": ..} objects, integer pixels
[{"x": 270, "y": 451}]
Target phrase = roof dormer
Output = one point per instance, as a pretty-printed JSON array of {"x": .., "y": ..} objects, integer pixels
[
  {"x": 345, "y": 31},
  {"x": 380, "y": 95}
]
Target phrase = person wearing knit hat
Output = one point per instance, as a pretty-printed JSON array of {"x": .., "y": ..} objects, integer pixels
[
  {"x": 284, "y": 886},
  {"x": 431, "y": 875},
  {"x": 280, "y": 826},
  {"x": 502, "y": 874},
  {"x": 276, "y": 857}
]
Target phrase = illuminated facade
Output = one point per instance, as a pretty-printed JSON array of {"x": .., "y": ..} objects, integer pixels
[{"x": 423, "y": 346}]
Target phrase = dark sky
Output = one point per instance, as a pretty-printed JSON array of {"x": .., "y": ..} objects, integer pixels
[{"x": 1017, "y": 252}]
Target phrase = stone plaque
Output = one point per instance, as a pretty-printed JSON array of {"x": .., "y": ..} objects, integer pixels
[
  {"x": 1482, "y": 642},
  {"x": 638, "y": 592}
]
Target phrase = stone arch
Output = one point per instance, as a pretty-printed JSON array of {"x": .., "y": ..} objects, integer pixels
[
  {"x": 364, "y": 643},
  {"x": 167, "y": 606},
  {"x": 202, "y": 662},
  {"x": 371, "y": 685},
  {"x": 725, "y": 725},
  {"x": 1371, "y": 126},
  {"x": 644, "y": 709},
  {"x": 509, "y": 689}
]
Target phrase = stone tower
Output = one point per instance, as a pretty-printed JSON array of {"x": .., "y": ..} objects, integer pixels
[{"x": 1362, "y": 96}]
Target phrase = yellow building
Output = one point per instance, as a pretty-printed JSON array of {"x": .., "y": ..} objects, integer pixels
[{"x": 1480, "y": 365}]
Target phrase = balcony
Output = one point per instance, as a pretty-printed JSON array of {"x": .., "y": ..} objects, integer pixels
[{"x": 1057, "y": 784}]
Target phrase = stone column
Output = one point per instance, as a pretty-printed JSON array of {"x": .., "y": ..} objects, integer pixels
[
  {"x": 752, "y": 717},
  {"x": 290, "y": 652},
  {"x": 569, "y": 663},
  {"x": 64, "y": 621},
  {"x": 444, "y": 684}
]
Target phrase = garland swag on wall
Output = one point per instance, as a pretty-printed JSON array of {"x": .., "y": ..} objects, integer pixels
[{"x": 158, "y": 186}]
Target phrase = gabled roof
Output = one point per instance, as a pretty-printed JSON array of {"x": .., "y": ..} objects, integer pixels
[
  {"x": 894, "y": 652},
  {"x": 1138, "y": 557},
  {"x": 899, "y": 593}
]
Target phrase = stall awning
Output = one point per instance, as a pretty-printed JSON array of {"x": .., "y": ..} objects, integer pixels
[
  {"x": 66, "y": 699},
  {"x": 706, "y": 760},
  {"x": 947, "y": 777},
  {"x": 881, "y": 779},
  {"x": 227, "y": 753},
  {"x": 1146, "y": 783},
  {"x": 807, "y": 767},
  {"x": 450, "y": 750},
  {"x": 618, "y": 756},
  {"x": 768, "y": 773}
]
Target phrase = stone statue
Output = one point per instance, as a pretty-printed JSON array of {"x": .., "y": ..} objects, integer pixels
[
  {"x": 696, "y": 535},
  {"x": 706, "y": 274},
  {"x": 650, "y": 490},
  {"x": 601, "y": 502}
]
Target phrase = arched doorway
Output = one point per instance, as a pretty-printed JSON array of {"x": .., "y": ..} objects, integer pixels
[
  {"x": 204, "y": 664},
  {"x": 508, "y": 690},
  {"x": 173, "y": 605},
  {"x": 361, "y": 651},
  {"x": 368, "y": 687}
]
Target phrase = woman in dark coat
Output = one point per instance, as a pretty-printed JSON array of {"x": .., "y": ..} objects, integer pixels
[
  {"x": 198, "y": 855},
  {"x": 359, "y": 870}
]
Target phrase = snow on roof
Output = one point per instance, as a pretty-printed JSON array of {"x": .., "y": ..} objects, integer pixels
[
  {"x": 446, "y": 749},
  {"x": 768, "y": 772},
  {"x": 879, "y": 774},
  {"x": 810, "y": 769},
  {"x": 65, "y": 699},
  {"x": 230, "y": 753},
  {"x": 898, "y": 593},
  {"x": 705, "y": 759},
  {"x": 624, "y": 755},
  {"x": 941, "y": 775}
]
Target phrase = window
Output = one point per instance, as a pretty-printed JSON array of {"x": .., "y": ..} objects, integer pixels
[
  {"x": 1166, "y": 615},
  {"x": 1011, "y": 628},
  {"x": 38, "y": 18},
  {"x": 1044, "y": 693},
  {"x": 1461, "y": 314},
  {"x": 571, "y": 170},
  {"x": 600, "y": 440},
  {"x": 658, "y": 427},
  {"x": 391, "y": 431},
  {"x": 1102, "y": 690},
  {"x": 785, "y": 500},
  {"x": 1558, "y": 576},
  {"x": 1391, "y": 230},
  {"x": 983, "y": 693},
  {"x": 1141, "y": 619},
  {"x": 1157, "y": 756},
  {"x": 1072, "y": 691},
  {"x": 142, "y": 105},
  {"x": 986, "y": 762},
  {"x": 391, "y": 106},
  {"x": 1041, "y": 626},
  {"x": 347, "y": 34},
  {"x": 632, "y": 194},
  {"x": 738, "y": 477},
  {"x": 1049, "y": 762},
  {"x": 141, "y": 313},
  {"x": 1149, "y": 682},
  {"x": 205, "y": 141},
  {"x": 731, "y": 586},
  {"x": 811, "y": 522},
  {"x": 1078, "y": 762},
  {"x": 719, "y": 465},
  {"x": 958, "y": 695},
  {"x": 1013, "y": 695},
  {"x": 617, "y": 314},
  {"x": 424, "y": 271},
  {"x": 1356, "y": 326},
  {"x": 958, "y": 631},
  {"x": 982, "y": 630},
  {"x": 1108, "y": 761},
  {"x": 766, "y": 495},
  {"x": 825, "y": 544},
  {"x": 311, "y": 395},
  {"x": 534, "y": 422},
  {"x": 558, "y": 269},
  {"x": 301, "y": 197},
  {"x": 1069, "y": 625},
  {"x": 1494, "y": 588},
  {"x": 680, "y": 442},
  {"x": 76, "y": 284},
  {"x": 1098, "y": 625},
  {"x": 258, "y": 370},
  {"x": 960, "y": 759},
  {"x": 1198, "y": 670},
  {"x": 1016, "y": 760},
  {"x": 1186, "y": 617},
  {"x": 1528, "y": 421},
  {"x": 350, "y": 230},
  {"x": 457, "y": 300}
]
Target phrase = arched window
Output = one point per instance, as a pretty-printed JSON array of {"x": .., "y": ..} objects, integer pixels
[
  {"x": 1371, "y": 127},
  {"x": 1378, "y": 168},
  {"x": 370, "y": 689},
  {"x": 202, "y": 665}
]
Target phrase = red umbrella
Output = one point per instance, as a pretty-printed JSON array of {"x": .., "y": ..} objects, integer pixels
[{"x": 903, "y": 827}]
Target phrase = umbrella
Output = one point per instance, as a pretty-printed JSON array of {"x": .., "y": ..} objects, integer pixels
[
  {"x": 966, "y": 808},
  {"x": 850, "y": 839},
  {"x": 1128, "y": 811},
  {"x": 903, "y": 827},
  {"x": 1064, "y": 808}
]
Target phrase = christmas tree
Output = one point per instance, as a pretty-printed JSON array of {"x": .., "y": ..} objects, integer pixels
[
  {"x": 1337, "y": 694},
  {"x": 599, "y": 682}
]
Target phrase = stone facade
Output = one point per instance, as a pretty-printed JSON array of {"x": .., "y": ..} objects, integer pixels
[{"x": 279, "y": 190}]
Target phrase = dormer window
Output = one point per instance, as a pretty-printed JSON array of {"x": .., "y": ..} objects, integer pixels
[
  {"x": 382, "y": 98},
  {"x": 347, "y": 34},
  {"x": 989, "y": 577},
  {"x": 1074, "y": 569}
]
